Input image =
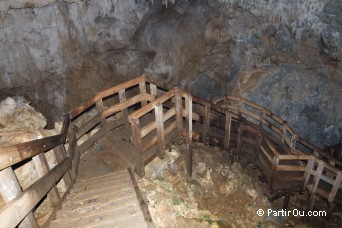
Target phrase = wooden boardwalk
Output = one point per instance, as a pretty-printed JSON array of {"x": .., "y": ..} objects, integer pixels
[{"x": 105, "y": 201}]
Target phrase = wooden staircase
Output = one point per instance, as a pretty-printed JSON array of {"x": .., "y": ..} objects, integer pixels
[{"x": 105, "y": 201}]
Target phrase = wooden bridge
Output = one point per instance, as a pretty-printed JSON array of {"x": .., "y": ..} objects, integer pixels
[{"x": 252, "y": 134}]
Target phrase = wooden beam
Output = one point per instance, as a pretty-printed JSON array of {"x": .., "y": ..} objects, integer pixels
[
  {"x": 43, "y": 168},
  {"x": 17, "y": 209},
  {"x": 188, "y": 117},
  {"x": 158, "y": 110},
  {"x": 9, "y": 189},
  {"x": 314, "y": 187},
  {"x": 335, "y": 187}
]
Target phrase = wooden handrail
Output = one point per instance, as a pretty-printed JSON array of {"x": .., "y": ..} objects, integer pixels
[{"x": 11, "y": 155}]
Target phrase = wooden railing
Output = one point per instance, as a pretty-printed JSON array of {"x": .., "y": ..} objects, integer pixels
[{"x": 110, "y": 110}]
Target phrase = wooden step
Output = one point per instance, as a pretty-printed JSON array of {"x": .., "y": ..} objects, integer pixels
[
  {"x": 114, "y": 174},
  {"x": 99, "y": 181},
  {"x": 133, "y": 221},
  {"x": 99, "y": 197},
  {"x": 90, "y": 194},
  {"x": 107, "y": 216},
  {"x": 103, "y": 203},
  {"x": 97, "y": 186}
]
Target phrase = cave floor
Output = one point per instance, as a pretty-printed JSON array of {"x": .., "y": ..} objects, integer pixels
[{"x": 219, "y": 194}]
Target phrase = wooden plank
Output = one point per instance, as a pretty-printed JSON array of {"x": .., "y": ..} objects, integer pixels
[
  {"x": 75, "y": 112},
  {"x": 13, "y": 154},
  {"x": 138, "y": 149},
  {"x": 275, "y": 164},
  {"x": 158, "y": 110},
  {"x": 142, "y": 88},
  {"x": 132, "y": 101},
  {"x": 43, "y": 168},
  {"x": 151, "y": 126},
  {"x": 111, "y": 124},
  {"x": 153, "y": 141},
  {"x": 294, "y": 168},
  {"x": 122, "y": 98},
  {"x": 206, "y": 123},
  {"x": 9, "y": 189},
  {"x": 16, "y": 210},
  {"x": 179, "y": 115},
  {"x": 150, "y": 106}
]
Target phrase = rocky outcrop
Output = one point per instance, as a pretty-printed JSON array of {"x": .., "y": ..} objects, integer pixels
[{"x": 284, "y": 55}]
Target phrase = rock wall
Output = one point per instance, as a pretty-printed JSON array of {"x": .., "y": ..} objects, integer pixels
[
  {"x": 59, "y": 55},
  {"x": 284, "y": 55}
]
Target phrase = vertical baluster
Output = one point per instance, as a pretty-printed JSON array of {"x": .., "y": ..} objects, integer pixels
[
  {"x": 153, "y": 89},
  {"x": 100, "y": 108},
  {"x": 313, "y": 190},
  {"x": 227, "y": 130},
  {"x": 160, "y": 129}
]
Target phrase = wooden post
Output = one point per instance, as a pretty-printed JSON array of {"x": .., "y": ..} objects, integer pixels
[
  {"x": 74, "y": 153},
  {"x": 316, "y": 180},
  {"x": 179, "y": 114},
  {"x": 138, "y": 151},
  {"x": 227, "y": 130},
  {"x": 307, "y": 174},
  {"x": 9, "y": 189},
  {"x": 188, "y": 116},
  {"x": 275, "y": 164},
  {"x": 100, "y": 108},
  {"x": 286, "y": 201},
  {"x": 335, "y": 187},
  {"x": 153, "y": 89},
  {"x": 206, "y": 124},
  {"x": 60, "y": 150},
  {"x": 239, "y": 143},
  {"x": 43, "y": 168},
  {"x": 293, "y": 143},
  {"x": 142, "y": 88},
  {"x": 160, "y": 129},
  {"x": 189, "y": 160},
  {"x": 122, "y": 98}
]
